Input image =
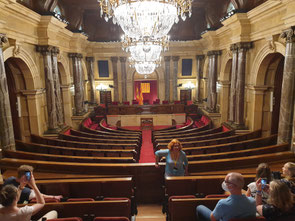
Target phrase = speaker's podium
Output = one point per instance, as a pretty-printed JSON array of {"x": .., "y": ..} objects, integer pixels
[{"x": 146, "y": 123}]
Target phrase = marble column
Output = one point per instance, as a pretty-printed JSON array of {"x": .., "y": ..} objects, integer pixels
[
  {"x": 175, "y": 60},
  {"x": 56, "y": 79},
  {"x": 232, "y": 98},
  {"x": 208, "y": 103},
  {"x": 115, "y": 78},
  {"x": 90, "y": 72},
  {"x": 240, "y": 82},
  {"x": 288, "y": 89},
  {"x": 124, "y": 78},
  {"x": 199, "y": 74},
  {"x": 6, "y": 131},
  {"x": 49, "y": 86},
  {"x": 212, "y": 80},
  {"x": 78, "y": 83},
  {"x": 167, "y": 77}
]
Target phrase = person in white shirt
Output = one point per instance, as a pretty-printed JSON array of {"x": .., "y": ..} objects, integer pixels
[{"x": 9, "y": 196}]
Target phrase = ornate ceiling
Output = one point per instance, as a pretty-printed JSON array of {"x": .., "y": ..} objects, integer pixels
[{"x": 85, "y": 14}]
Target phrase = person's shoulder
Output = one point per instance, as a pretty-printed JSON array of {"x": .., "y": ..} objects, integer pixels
[
  {"x": 26, "y": 209},
  {"x": 10, "y": 180}
]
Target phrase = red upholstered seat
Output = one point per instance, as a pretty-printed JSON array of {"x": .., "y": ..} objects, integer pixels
[
  {"x": 66, "y": 219},
  {"x": 134, "y": 102},
  {"x": 156, "y": 102},
  {"x": 115, "y": 103},
  {"x": 126, "y": 103},
  {"x": 165, "y": 102},
  {"x": 68, "y": 132},
  {"x": 224, "y": 128},
  {"x": 176, "y": 102},
  {"x": 47, "y": 200},
  {"x": 259, "y": 218},
  {"x": 189, "y": 102},
  {"x": 79, "y": 199},
  {"x": 217, "y": 196},
  {"x": 111, "y": 218}
]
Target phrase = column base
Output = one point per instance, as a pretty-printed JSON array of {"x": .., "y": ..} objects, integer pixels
[
  {"x": 77, "y": 119},
  {"x": 52, "y": 131}
]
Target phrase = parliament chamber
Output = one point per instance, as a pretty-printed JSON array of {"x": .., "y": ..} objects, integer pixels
[{"x": 73, "y": 106}]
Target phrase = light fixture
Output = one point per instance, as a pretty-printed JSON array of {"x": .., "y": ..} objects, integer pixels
[
  {"x": 189, "y": 85},
  {"x": 146, "y": 24},
  {"x": 101, "y": 87},
  {"x": 145, "y": 17},
  {"x": 146, "y": 67}
]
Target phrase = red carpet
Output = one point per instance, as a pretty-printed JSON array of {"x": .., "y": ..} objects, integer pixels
[{"x": 147, "y": 153}]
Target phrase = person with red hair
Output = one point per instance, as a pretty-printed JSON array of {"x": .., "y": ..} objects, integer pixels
[{"x": 176, "y": 160}]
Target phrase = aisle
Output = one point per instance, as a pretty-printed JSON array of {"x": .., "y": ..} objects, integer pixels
[
  {"x": 152, "y": 212},
  {"x": 147, "y": 153}
]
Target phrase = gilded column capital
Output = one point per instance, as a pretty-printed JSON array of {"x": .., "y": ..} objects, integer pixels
[
  {"x": 3, "y": 39},
  {"x": 55, "y": 51},
  {"x": 123, "y": 59},
  {"x": 90, "y": 59},
  {"x": 175, "y": 58},
  {"x": 44, "y": 49},
  {"x": 75, "y": 55},
  {"x": 114, "y": 59},
  {"x": 200, "y": 57},
  {"x": 209, "y": 53},
  {"x": 167, "y": 58},
  {"x": 289, "y": 34},
  {"x": 233, "y": 47},
  {"x": 244, "y": 45}
]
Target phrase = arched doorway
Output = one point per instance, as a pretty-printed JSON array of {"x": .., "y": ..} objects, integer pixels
[
  {"x": 273, "y": 66},
  {"x": 145, "y": 87},
  {"x": 18, "y": 102}
]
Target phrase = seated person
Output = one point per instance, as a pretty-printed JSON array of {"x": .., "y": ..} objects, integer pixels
[
  {"x": 289, "y": 174},
  {"x": 27, "y": 194},
  {"x": 280, "y": 202},
  {"x": 236, "y": 205},
  {"x": 262, "y": 171},
  {"x": 9, "y": 196}
]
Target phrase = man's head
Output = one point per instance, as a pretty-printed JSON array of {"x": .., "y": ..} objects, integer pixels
[
  {"x": 23, "y": 169},
  {"x": 233, "y": 182}
]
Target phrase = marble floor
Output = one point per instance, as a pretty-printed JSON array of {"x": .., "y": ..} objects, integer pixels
[{"x": 151, "y": 212}]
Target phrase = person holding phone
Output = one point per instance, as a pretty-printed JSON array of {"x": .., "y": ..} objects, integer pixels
[
  {"x": 25, "y": 173},
  {"x": 280, "y": 203},
  {"x": 262, "y": 171},
  {"x": 9, "y": 196}
]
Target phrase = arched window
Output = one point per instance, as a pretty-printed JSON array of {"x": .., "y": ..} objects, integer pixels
[
  {"x": 230, "y": 7},
  {"x": 56, "y": 10}
]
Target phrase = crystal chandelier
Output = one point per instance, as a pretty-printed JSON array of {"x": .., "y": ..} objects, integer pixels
[
  {"x": 146, "y": 24},
  {"x": 146, "y": 67}
]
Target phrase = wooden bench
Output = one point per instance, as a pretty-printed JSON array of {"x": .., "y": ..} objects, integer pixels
[
  {"x": 65, "y": 158},
  {"x": 97, "y": 208},
  {"x": 185, "y": 209},
  {"x": 189, "y": 133},
  {"x": 241, "y": 145},
  {"x": 198, "y": 137},
  {"x": 104, "y": 127},
  {"x": 93, "y": 145},
  {"x": 215, "y": 141},
  {"x": 74, "y": 151}
]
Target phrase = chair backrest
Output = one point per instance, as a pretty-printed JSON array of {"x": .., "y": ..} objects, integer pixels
[
  {"x": 176, "y": 102},
  {"x": 79, "y": 199},
  {"x": 111, "y": 219},
  {"x": 258, "y": 218},
  {"x": 115, "y": 103},
  {"x": 165, "y": 102},
  {"x": 134, "y": 102},
  {"x": 217, "y": 196},
  {"x": 66, "y": 219},
  {"x": 126, "y": 103}
]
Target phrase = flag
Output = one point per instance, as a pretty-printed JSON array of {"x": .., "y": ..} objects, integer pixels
[{"x": 140, "y": 97}]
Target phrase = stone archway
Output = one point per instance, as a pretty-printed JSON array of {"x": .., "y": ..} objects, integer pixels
[
  {"x": 27, "y": 91},
  {"x": 152, "y": 79},
  {"x": 265, "y": 68},
  {"x": 65, "y": 82},
  {"x": 224, "y": 90}
]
